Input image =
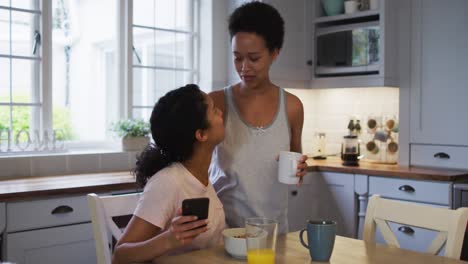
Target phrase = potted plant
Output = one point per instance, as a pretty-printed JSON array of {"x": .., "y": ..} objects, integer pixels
[{"x": 134, "y": 133}]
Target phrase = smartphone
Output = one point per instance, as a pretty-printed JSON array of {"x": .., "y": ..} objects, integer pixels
[{"x": 196, "y": 206}]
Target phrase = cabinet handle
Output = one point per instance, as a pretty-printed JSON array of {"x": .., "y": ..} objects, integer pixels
[
  {"x": 442, "y": 155},
  {"x": 406, "y": 188},
  {"x": 406, "y": 230},
  {"x": 62, "y": 209},
  {"x": 309, "y": 62},
  {"x": 294, "y": 193}
]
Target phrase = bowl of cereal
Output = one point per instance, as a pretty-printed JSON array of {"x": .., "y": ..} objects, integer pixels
[{"x": 235, "y": 243}]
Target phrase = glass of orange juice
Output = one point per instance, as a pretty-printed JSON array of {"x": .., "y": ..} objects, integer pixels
[{"x": 261, "y": 235}]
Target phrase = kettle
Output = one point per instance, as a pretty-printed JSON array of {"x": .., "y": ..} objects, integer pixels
[{"x": 350, "y": 151}]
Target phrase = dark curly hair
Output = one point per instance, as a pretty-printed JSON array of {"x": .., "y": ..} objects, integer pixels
[
  {"x": 174, "y": 120},
  {"x": 261, "y": 19}
]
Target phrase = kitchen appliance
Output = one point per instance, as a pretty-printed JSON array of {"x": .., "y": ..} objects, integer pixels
[
  {"x": 346, "y": 50},
  {"x": 350, "y": 151}
]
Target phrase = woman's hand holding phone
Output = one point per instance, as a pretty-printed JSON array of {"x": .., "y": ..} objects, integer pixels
[{"x": 184, "y": 229}]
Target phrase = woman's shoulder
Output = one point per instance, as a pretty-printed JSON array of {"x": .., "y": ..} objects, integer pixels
[
  {"x": 293, "y": 103},
  {"x": 164, "y": 178},
  {"x": 218, "y": 98}
]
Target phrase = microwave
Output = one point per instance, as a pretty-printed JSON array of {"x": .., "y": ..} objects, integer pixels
[{"x": 346, "y": 50}]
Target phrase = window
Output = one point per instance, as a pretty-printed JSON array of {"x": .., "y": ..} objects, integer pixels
[
  {"x": 164, "y": 50},
  {"x": 20, "y": 62},
  {"x": 66, "y": 76}
]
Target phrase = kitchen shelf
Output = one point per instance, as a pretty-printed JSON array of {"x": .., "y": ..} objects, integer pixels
[{"x": 356, "y": 15}]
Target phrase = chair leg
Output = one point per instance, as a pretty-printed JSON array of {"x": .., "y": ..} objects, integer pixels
[{"x": 464, "y": 253}]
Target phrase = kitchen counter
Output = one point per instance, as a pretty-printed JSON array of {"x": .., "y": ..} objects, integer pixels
[
  {"x": 37, "y": 187},
  {"x": 334, "y": 164}
]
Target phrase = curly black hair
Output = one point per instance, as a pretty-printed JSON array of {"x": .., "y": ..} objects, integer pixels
[
  {"x": 174, "y": 120},
  {"x": 261, "y": 19}
]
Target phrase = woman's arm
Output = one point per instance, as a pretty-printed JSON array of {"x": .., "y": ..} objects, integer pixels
[
  {"x": 295, "y": 112},
  {"x": 143, "y": 241}
]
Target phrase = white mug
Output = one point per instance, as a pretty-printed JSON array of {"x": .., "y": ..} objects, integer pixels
[
  {"x": 374, "y": 4},
  {"x": 351, "y": 6},
  {"x": 287, "y": 167}
]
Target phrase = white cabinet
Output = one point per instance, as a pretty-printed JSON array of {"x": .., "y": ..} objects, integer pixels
[
  {"x": 56, "y": 230},
  {"x": 439, "y": 73},
  {"x": 72, "y": 244},
  {"x": 328, "y": 196},
  {"x": 291, "y": 69},
  {"x": 383, "y": 73},
  {"x": 429, "y": 193}
]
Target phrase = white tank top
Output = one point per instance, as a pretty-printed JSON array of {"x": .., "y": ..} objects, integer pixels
[{"x": 244, "y": 171}]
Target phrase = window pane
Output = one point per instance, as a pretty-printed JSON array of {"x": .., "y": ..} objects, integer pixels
[
  {"x": 142, "y": 113},
  {"x": 22, "y": 33},
  {"x": 4, "y": 2},
  {"x": 143, "y": 13},
  {"x": 4, "y": 119},
  {"x": 174, "y": 14},
  {"x": 4, "y": 31},
  {"x": 22, "y": 118},
  {"x": 155, "y": 47},
  {"x": 149, "y": 85},
  {"x": 183, "y": 51},
  {"x": 183, "y": 15},
  {"x": 84, "y": 48},
  {"x": 5, "y": 80},
  {"x": 23, "y": 80},
  {"x": 183, "y": 78}
]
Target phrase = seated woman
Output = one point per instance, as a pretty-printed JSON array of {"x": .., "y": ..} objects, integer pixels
[{"x": 186, "y": 127}]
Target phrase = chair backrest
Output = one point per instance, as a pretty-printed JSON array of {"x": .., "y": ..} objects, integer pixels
[
  {"x": 102, "y": 209},
  {"x": 450, "y": 224}
]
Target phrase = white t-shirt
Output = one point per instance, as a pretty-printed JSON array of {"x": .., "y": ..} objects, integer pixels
[{"x": 163, "y": 195}]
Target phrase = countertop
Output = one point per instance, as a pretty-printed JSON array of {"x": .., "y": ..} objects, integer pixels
[
  {"x": 42, "y": 187},
  {"x": 334, "y": 164}
]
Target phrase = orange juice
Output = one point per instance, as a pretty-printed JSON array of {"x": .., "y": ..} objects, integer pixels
[{"x": 261, "y": 256}]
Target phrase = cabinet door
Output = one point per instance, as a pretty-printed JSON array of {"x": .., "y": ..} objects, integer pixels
[
  {"x": 68, "y": 244},
  {"x": 292, "y": 69},
  {"x": 439, "y": 81},
  {"x": 329, "y": 196}
]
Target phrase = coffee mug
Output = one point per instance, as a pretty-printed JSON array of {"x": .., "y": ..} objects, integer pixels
[
  {"x": 372, "y": 147},
  {"x": 374, "y": 4},
  {"x": 320, "y": 238},
  {"x": 392, "y": 147},
  {"x": 287, "y": 167},
  {"x": 351, "y": 6}
]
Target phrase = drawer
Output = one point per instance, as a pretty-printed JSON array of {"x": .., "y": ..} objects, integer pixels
[
  {"x": 411, "y": 190},
  {"x": 27, "y": 215},
  {"x": 433, "y": 156}
]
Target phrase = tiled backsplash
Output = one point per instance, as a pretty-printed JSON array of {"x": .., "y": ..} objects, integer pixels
[{"x": 329, "y": 111}]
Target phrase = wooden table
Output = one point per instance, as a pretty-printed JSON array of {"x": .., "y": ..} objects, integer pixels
[{"x": 290, "y": 251}]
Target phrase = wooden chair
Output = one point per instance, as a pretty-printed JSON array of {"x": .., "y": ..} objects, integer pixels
[
  {"x": 451, "y": 224},
  {"x": 102, "y": 210}
]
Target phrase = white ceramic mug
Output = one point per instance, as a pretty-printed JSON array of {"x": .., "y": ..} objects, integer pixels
[
  {"x": 351, "y": 6},
  {"x": 287, "y": 167}
]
